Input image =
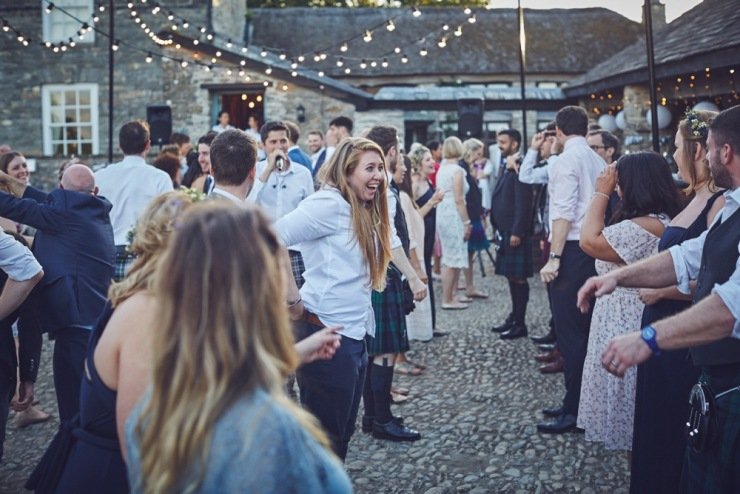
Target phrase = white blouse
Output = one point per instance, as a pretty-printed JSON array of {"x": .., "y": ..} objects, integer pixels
[{"x": 337, "y": 280}]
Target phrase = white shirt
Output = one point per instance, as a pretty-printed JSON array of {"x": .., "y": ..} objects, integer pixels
[
  {"x": 392, "y": 205},
  {"x": 687, "y": 261},
  {"x": 338, "y": 285},
  {"x": 130, "y": 186},
  {"x": 254, "y": 134},
  {"x": 528, "y": 174},
  {"x": 228, "y": 195},
  {"x": 283, "y": 190},
  {"x": 315, "y": 157},
  {"x": 218, "y": 129},
  {"x": 16, "y": 260},
  {"x": 572, "y": 183}
]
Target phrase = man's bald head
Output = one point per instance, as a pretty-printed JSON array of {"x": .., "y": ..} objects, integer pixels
[{"x": 79, "y": 178}]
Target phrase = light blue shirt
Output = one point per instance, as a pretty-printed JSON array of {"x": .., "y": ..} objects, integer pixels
[
  {"x": 257, "y": 446},
  {"x": 16, "y": 260},
  {"x": 687, "y": 261},
  {"x": 528, "y": 174},
  {"x": 283, "y": 191}
]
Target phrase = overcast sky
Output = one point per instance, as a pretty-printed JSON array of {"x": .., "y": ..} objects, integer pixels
[{"x": 628, "y": 8}]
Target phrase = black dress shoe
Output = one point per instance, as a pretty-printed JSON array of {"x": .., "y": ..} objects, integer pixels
[
  {"x": 439, "y": 334},
  {"x": 367, "y": 422},
  {"x": 547, "y": 347},
  {"x": 547, "y": 412},
  {"x": 393, "y": 431},
  {"x": 507, "y": 325},
  {"x": 514, "y": 332},
  {"x": 548, "y": 338},
  {"x": 564, "y": 423}
]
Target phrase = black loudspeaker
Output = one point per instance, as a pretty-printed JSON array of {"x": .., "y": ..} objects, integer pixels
[
  {"x": 159, "y": 118},
  {"x": 469, "y": 118}
]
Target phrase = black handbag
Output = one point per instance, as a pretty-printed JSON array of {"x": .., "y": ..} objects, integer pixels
[{"x": 408, "y": 298}]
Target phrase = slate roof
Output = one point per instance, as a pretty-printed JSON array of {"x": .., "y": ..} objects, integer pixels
[
  {"x": 707, "y": 35},
  {"x": 559, "y": 41}
]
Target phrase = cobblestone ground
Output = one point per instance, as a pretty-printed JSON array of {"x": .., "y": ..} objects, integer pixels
[{"x": 476, "y": 406}]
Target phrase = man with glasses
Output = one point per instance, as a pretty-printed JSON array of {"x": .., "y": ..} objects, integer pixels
[{"x": 605, "y": 144}]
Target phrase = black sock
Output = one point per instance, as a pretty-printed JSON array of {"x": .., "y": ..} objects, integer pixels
[
  {"x": 367, "y": 393},
  {"x": 381, "y": 382},
  {"x": 521, "y": 299}
]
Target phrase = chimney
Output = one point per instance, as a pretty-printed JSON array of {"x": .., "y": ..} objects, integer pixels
[{"x": 658, "y": 13}]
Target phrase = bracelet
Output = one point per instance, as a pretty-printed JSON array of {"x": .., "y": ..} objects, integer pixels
[
  {"x": 294, "y": 302},
  {"x": 597, "y": 193}
]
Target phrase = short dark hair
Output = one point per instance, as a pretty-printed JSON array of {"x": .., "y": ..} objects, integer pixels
[
  {"x": 271, "y": 126},
  {"x": 293, "y": 132},
  {"x": 513, "y": 134},
  {"x": 133, "y": 137},
  {"x": 316, "y": 132},
  {"x": 233, "y": 156},
  {"x": 609, "y": 140},
  {"x": 208, "y": 138},
  {"x": 594, "y": 127},
  {"x": 550, "y": 127},
  {"x": 179, "y": 138},
  {"x": 647, "y": 187},
  {"x": 433, "y": 145},
  {"x": 572, "y": 120},
  {"x": 221, "y": 113},
  {"x": 384, "y": 136},
  {"x": 342, "y": 121},
  {"x": 726, "y": 128}
]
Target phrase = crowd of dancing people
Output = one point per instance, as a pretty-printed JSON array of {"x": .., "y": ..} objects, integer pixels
[{"x": 188, "y": 298}]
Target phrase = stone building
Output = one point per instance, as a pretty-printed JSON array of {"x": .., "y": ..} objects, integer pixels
[
  {"x": 201, "y": 56},
  {"x": 696, "y": 58}
]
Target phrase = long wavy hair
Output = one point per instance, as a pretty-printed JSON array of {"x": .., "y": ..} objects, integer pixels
[
  {"x": 647, "y": 187},
  {"x": 221, "y": 334},
  {"x": 152, "y": 234},
  {"x": 370, "y": 220},
  {"x": 691, "y": 140}
]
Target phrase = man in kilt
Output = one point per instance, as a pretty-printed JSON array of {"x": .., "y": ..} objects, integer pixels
[
  {"x": 390, "y": 337},
  {"x": 710, "y": 328},
  {"x": 511, "y": 216}
]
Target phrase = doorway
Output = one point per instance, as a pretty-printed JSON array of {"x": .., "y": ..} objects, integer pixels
[{"x": 240, "y": 105}]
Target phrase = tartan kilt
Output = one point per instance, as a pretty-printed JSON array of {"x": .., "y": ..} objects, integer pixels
[
  {"x": 297, "y": 267},
  {"x": 390, "y": 318},
  {"x": 717, "y": 469},
  {"x": 514, "y": 262},
  {"x": 124, "y": 260}
]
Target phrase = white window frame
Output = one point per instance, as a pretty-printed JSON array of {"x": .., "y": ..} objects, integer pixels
[
  {"x": 47, "y": 22},
  {"x": 46, "y": 92}
]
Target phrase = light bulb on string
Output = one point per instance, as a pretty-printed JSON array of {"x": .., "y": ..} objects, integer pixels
[
  {"x": 384, "y": 63},
  {"x": 442, "y": 42},
  {"x": 229, "y": 44},
  {"x": 268, "y": 70},
  {"x": 404, "y": 59},
  {"x": 293, "y": 65},
  {"x": 340, "y": 62},
  {"x": 458, "y": 31},
  {"x": 115, "y": 45},
  {"x": 390, "y": 26},
  {"x": 343, "y": 48},
  {"x": 263, "y": 53},
  {"x": 185, "y": 24},
  {"x": 283, "y": 55},
  {"x": 368, "y": 36},
  {"x": 148, "y": 58},
  {"x": 321, "y": 73},
  {"x": 397, "y": 50},
  {"x": 415, "y": 12},
  {"x": 301, "y": 58},
  {"x": 347, "y": 70},
  {"x": 363, "y": 64},
  {"x": 467, "y": 11},
  {"x": 471, "y": 19},
  {"x": 244, "y": 49},
  {"x": 423, "y": 52}
]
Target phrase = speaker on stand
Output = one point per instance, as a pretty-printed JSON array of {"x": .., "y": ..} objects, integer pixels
[
  {"x": 469, "y": 118},
  {"x": 159, "y": 118}
]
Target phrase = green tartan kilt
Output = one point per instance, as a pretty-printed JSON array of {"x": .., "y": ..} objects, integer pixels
[{"x": 390, "y": 318}]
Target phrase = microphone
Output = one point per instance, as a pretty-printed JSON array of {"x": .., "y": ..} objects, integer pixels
[{"x": 280, "y": 163}]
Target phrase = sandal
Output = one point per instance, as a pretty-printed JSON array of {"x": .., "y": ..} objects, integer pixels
[
  {"x": 464, "y": 300},
  {"x": 397, "y": 399},
  {"x": 477, "y": 294},
  {"x": 400, "y": 391},
  {"x": 457, "y": 306},
  {"x": 30, "y": 416},
  {"x": 406, "y": 369}
]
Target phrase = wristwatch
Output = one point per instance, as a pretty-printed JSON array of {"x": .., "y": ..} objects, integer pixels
[
  {"x": 555, "y": 256},
  {"x": 648, "y": 336}
]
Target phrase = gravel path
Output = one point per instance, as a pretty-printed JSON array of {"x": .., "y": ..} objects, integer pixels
[{"x": 476, "y": 406}]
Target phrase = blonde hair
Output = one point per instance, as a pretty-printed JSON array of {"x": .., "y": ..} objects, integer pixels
[
  {"x": 152, "y": 234},
  {"x": 220, "y": 335},
  {"x": 688, "y": 150},
  {"x": 471, "y": 145},
  {"x": 371, "y": 220},
  {"x": 416, "y": 155},
  {"x": 452, "y": 148}
]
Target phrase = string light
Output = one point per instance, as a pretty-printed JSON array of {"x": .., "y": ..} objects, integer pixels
[
  {"x": 148, "y": 58},
  {"x": 390, "y": 26},
  {"x": 423, "y": 52},
  {"x": 415, "y": 12},
  {"x": 49, "y": 7}
]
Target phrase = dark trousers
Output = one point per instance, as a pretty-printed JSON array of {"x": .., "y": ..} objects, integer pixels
[
  {"x": 70, "y": 350},
  {"x": 331, "y": 389},
  {"x": 430, "y": 286},
  {"x": 571, "y": 327}
]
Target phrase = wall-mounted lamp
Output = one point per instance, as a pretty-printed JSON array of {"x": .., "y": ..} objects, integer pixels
[{"x": 300, "y": 113}]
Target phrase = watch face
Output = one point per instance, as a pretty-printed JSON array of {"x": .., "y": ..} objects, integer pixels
[{"x": 648, "y": 333}]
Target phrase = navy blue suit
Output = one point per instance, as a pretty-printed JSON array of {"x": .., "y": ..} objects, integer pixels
[
  {"x": 296, "y": 155},
  {"x": 74, "y": 245}
]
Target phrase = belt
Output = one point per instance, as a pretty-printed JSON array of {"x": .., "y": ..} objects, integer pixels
[{"x": 312, "y": 318}]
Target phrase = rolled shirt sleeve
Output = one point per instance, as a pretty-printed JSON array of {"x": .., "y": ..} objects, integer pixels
[
  {"x": 729, "y": 292},
  {"x": 16, "y": 260},
  {"x": 686, "y": 261},
  {"x": 564, "y": 197}
]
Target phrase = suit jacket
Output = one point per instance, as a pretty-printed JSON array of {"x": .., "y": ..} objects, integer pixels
[
  {"x": 511, "y": 205},
  {"x": 296, "y": 155},
  {"x": 74, "y": 245}
]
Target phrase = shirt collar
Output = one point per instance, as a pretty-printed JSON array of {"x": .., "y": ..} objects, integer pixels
[
  {"x": 733, "y": 196},
  {"x": 575, "y": 141},
  {"x": 133, "y": 160},
  {"x": 228, "y": 195}
]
